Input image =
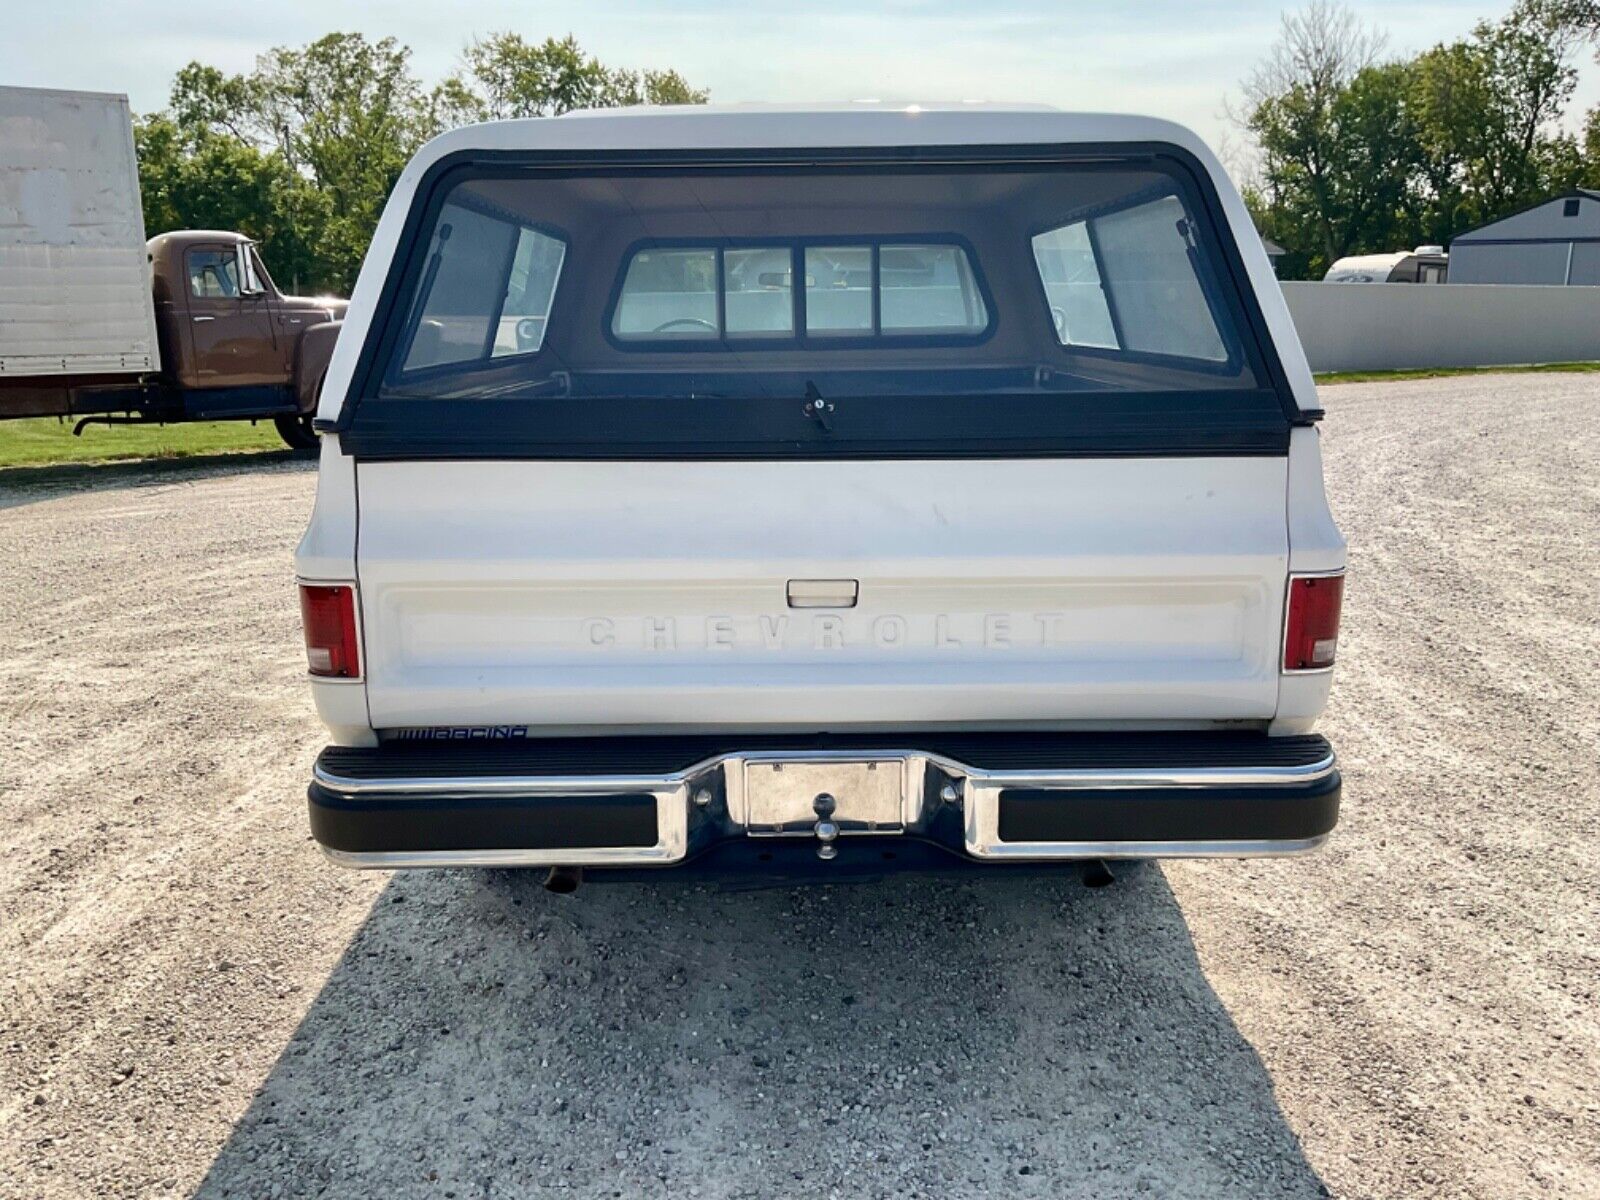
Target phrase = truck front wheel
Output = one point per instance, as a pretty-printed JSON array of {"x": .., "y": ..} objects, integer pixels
[{"x": 297, "y": 431}]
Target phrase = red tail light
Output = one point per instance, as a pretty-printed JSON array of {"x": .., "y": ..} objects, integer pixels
[
  {"x": 1311, "y": 631},
  {"x": 328, "y": 613}
]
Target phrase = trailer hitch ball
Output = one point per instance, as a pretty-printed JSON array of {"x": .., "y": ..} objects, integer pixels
[{"x": 826, "y": 829}]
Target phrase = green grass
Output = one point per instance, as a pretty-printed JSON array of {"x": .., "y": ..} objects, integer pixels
[
  {"x": 1441, "y": 372},
  {"x": 44, "y": 440}
]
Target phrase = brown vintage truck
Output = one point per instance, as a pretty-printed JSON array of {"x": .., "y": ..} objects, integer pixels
[
  {"x": 100, "y": 325},
  {"x": 232, "y": 346}
]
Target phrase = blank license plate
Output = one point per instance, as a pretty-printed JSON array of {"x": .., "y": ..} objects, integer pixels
[{"x": 781, "y": 796}]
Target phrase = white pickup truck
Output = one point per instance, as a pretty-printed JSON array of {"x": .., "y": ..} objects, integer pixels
[{"x": 814, "y": 492}]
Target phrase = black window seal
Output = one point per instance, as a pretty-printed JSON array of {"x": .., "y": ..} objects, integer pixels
[
  {"x": 875, "y": 256},
  {"x": 722, "y": 297},
  {"x": 441, "y": 175}
]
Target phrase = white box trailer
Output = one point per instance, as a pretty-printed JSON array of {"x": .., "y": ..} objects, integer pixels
[{"x": 75, "y": 295}]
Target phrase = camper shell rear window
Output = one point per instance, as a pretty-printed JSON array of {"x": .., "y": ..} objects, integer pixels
[{"x": 1024, "y": 304}]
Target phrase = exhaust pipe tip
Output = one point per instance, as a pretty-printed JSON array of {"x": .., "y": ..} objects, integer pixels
[
  {"x": 1097, "y": 874},
  {"x": 563, "y": 881}
]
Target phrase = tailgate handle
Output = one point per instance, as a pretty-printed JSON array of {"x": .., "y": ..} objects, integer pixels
[{"x": 823, "y": 593}]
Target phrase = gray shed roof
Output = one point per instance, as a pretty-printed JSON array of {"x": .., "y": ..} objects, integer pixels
[{"x": 1535, "y": 224}]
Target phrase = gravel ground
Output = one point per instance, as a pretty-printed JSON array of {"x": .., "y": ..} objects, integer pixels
[{"x": 196, "y": 1003}]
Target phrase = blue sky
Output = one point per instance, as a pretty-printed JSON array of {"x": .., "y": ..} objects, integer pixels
[{"x": 1162, "y": 57}]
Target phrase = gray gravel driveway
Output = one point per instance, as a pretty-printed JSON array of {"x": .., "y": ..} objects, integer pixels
[{"x": 195, "y": 1003}]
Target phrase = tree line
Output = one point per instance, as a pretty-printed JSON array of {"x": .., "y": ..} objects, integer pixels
[
  {"x": 1359, "y": 151},
  {"x": 301, "y": 152},
  {"x": 1355, "y": 150}
]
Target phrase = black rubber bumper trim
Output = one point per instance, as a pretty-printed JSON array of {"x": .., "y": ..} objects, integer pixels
[
  {"x": 1211, "y": 814},
  {"x": 374, "y": 824},
  {"x": 663, "y": 755}
]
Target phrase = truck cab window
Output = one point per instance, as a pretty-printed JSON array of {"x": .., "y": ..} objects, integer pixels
[
  {"x": 213, "y": 274},
  {"x": 759, "y": 288},
  {"x": 929, "y": 289},
  {"x": 674, "y": 294},
  {"x": 838, "y": 290},
  {"x": 669, "y": 294}
]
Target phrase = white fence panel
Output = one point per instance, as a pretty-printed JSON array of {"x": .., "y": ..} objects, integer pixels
[{"x": 1385, "y": 326}]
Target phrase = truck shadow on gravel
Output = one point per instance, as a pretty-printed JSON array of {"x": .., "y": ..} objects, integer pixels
[
  {"x": 29, "y": 485},
  {"x": 481, "y": 1037}
]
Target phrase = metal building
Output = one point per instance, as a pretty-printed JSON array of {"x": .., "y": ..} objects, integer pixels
[{"x": 1554, "y": 242}]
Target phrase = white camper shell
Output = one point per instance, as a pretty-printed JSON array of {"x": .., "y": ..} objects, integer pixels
[{"x": 754, "y": 490}]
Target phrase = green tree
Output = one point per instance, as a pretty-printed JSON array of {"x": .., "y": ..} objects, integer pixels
[
  {"x": 347, "y": 114},
  {"x": 196, "y": 171},
  {"x": 1589, "y": 160},
  {"x": 302, "y": 152},
  {"x": 1581, "y": 20},
  {"x": 1361, "y": 155},
  {"x": 505, "y": 76},
  {"x": 1486, "y": 110},
  {"x": 1336, "y": 144},
  {"x": 625, "y": 88}
]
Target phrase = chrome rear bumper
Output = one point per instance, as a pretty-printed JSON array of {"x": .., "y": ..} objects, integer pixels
[{"x": 986, "y": 801}]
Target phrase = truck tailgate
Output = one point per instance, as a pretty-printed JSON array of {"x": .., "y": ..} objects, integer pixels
[{"x": 842, "y": 594}]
